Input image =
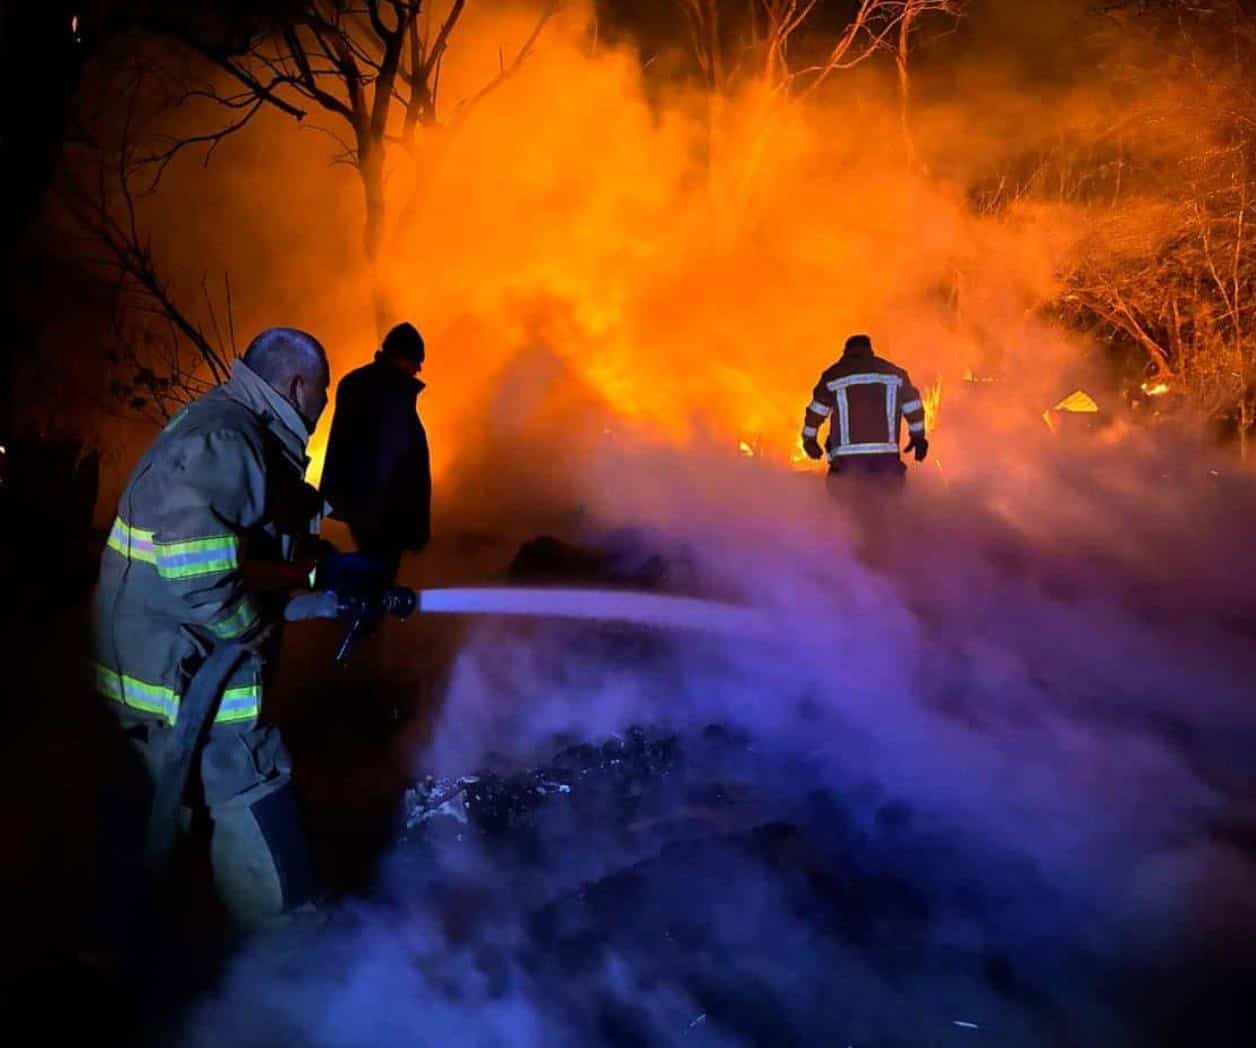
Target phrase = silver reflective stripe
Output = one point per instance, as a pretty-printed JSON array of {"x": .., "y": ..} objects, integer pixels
[
  {"x": 816, "y": 408},
  {"x": 863, "y": 449},
  {"x": 866, "y": 379},
  {"x": 809, "y": 431},
  {"x": 892, "y": 383},
  {"x": 910, "y": 406},
  {"x": 916, "y": 427}
]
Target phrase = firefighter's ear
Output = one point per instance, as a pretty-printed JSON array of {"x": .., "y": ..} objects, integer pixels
[{"x": 308, "y": 397}]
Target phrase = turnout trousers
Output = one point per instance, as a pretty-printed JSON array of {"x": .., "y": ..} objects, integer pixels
[{"x": 241, "y": 789}]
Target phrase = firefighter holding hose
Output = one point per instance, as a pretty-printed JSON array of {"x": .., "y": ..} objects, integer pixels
[
  {"x": 865, "y": 399},
  {"x": 214, "y": 531}
]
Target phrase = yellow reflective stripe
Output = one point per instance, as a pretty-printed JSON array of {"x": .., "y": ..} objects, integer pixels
[
  {"x": 132, "y": 543},
  {"x": 243, "y": 702},
  {"x": 138, "y": 694},
  {"x": 184, "y": 559},
  {"x": 236, "y": 621},
  {"x": 193, "y": 557}
]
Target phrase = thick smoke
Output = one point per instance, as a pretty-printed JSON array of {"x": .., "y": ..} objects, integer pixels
[{"x": 1026, "y": 698}]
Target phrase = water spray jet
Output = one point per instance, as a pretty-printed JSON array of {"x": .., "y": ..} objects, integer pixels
[{"x": 590, "y": 605}]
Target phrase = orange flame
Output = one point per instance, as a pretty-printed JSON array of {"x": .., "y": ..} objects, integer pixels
[
  {"x": 932, "y": 398},
  {"x": 592, "y": 248}
]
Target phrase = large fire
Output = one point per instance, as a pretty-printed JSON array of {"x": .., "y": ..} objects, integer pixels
[
  {"x": 581, "y": 226},
  {"x": 601, "y": 252}
]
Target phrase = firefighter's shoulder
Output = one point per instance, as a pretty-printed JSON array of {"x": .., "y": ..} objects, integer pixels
[
  {"x": 834, "y": 370},
  {"x": 218, "y": 423}
]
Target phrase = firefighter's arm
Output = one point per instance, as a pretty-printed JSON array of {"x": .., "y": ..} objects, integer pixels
[
  {"x": 820, "y": 408},
  {"x": 277, "y": 575},
  {"x": 212, "y": 493},
  {"x": 913, "y": 410}
]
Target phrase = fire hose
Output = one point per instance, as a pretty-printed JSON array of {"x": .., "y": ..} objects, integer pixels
[{"x": 361, "y": 614}]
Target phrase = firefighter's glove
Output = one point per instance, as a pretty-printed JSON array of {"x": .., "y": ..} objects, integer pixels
[
  {"x": 320, "y": 604},
  {"x": 919, "y": 445},
  {"x": 812, "y": 447}
]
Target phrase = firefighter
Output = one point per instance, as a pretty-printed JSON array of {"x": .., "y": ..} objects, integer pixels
[
  {"x": 377, "y": 475},
  {"x": 201, "y": 556},
  {"x": 864, "y": 397}
]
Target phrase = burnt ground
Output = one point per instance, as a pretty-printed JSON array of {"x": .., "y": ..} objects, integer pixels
[{"x": 641, "y": 888}]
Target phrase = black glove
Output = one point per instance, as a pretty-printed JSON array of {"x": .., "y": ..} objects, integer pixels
[
  {"x": 351, "y": 573},
  {"x": 919, "y": 444},
  {"x": 812, "y": 447}
]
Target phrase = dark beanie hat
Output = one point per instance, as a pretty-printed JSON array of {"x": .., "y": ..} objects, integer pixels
[
  {"x": 859, "y": 344},
  {"x": 404, "y": 341}
]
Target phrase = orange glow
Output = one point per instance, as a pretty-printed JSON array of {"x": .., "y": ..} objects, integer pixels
[
  {"x": 1157, "y": 389},
  {"x": 587, "y": 251}
]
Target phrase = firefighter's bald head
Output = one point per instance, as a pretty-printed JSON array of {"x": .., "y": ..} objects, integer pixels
[{"x": 294, "y": 363}]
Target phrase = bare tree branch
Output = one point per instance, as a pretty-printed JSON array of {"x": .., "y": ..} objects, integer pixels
[
  {"x": 504, "y": 73},
  {"x": 161, "y": 160}
]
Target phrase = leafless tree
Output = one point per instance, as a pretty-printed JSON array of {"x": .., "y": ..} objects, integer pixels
[
  {"x": 370, "y": 68},
  {"x": 734, "y": 40},
  {"x": 908, "y": 19},
  {"x": 1187, "y": 300},
  {"x": 162, "y": 353},
  {"x": 1169, "y": 267}
]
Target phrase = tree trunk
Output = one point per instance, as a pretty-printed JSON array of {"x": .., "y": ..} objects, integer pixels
[
  {"x": 904, "y": 84},
  {"x": 371, "y": 169}
]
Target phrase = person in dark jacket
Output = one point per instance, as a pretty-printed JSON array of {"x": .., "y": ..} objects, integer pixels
[{"x": 377, "y": 475}]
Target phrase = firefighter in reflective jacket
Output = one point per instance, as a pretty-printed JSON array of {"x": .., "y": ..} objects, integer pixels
[
  {"x": 864, "y": 397},
  {"x": 217, "y": 502}
]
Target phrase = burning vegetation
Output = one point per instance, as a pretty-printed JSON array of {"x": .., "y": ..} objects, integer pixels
[{"x": 690, "y": 232}]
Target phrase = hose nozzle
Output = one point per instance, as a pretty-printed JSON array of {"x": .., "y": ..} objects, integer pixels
[{"x": 364, "y": 614}]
